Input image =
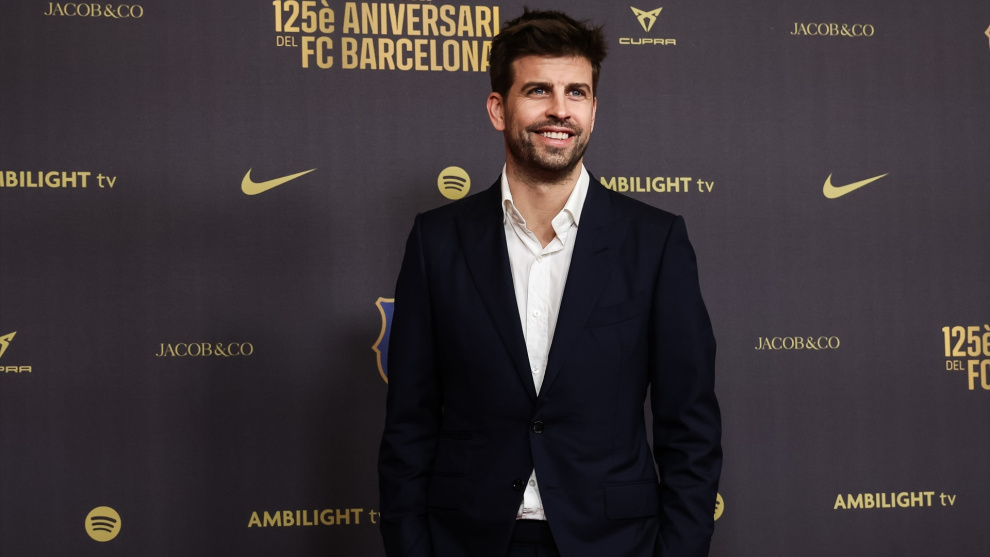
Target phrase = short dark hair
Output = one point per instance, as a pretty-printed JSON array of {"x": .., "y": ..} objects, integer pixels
[{"x": 544, "y": 33}]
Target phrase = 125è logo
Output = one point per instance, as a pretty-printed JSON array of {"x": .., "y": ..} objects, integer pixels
[
  {"x": 974, "y": 343},
  {"x": 120, "y": 11}
]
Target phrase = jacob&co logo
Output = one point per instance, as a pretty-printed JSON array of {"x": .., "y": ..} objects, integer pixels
[
  {"x": 833, "y": 29},
  {"x": 72, "y": 9},
  {"x": 5, "y": 341},
  {"x": 834, "y": 192},
  {"x": 250, "y": 187},
  {"x": 204, "y": 349},
  {"x": 385, "y": 307},
  {"x": 968, "y": 349},
  {"x": 103, "y": 524},
  {"x": 647, "y": 19},
  {"x": 797, "y": 343}
]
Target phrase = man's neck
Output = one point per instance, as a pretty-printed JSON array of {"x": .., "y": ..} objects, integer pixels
[{"x": 540, "y": 197}]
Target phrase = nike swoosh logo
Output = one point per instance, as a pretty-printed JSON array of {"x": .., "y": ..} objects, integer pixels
[
  {"x": 251, "y": 187},
  {"x": 833, "y": 192}
]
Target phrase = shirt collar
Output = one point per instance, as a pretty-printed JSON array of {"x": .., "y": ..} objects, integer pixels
[{"x": 573, "y": 206}]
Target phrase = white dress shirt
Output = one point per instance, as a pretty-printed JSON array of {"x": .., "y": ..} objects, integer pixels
[{"x": 538, "y": 277}]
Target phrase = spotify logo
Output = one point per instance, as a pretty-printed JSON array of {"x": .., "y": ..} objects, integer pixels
[
  {"x": 719, "y": 506},
  {"x": 454, "y": 182},
  {"x": 103, "y": 524}
]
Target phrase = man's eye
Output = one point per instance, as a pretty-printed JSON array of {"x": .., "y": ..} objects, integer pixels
[
  {"x": 577, "y": 93},
  {"x": 539, "y": 90}
]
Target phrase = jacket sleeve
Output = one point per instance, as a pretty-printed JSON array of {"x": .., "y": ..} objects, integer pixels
[
  {"x": 413, "y": 411},
  {"x": 687, "y": 427}
]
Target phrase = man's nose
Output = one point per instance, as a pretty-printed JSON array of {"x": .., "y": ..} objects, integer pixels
[{"x": 558, "y": 107}]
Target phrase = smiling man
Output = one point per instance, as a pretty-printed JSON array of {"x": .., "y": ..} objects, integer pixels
[{"x": 530, "y": 321}]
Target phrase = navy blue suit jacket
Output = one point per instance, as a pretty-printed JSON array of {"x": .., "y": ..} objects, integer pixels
[{"x": 464, "y": 425}]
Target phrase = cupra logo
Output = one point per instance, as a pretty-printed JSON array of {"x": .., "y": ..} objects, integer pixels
[
  {"x": 833, "y": 192},
  {"x": 5, "y": 342},
  {"x": 251, "y": 187},
  {"x": 646, "y": 19}
]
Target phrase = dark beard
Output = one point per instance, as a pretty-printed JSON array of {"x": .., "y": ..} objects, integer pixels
[{"x": 550, "y": 162}]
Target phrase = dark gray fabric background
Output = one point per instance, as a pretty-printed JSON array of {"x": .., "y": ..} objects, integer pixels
[{"x": 178, "y": 104}]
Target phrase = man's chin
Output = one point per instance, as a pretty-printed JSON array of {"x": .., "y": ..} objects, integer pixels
[
  {"x": 548, "y": 163},
  {"x": 553, "y": 170},
  {"x": 562, "y": 161}
]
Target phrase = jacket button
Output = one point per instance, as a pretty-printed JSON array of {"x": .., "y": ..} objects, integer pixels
[
  {"x": 537, "y": 427},
  {"x": 517, "y": 484}
]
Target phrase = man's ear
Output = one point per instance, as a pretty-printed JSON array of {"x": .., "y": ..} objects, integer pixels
[{"x": 496, "y": 111}]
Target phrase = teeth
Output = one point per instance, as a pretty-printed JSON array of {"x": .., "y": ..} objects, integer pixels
[{"x": 556, "y": 135}]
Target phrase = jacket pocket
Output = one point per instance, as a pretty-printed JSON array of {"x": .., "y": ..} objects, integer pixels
[{"x": 632, "y": 499}]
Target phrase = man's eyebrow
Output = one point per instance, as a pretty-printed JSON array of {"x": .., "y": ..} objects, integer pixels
[{"x": 548, "y": 85}]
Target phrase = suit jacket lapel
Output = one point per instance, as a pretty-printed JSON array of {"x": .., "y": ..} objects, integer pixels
[
  {"x": 599, "y": 235},
  {"x": 482, "y": 238}
]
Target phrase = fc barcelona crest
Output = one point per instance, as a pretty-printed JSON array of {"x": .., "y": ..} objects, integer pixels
[{"x": 380, "y": 347}]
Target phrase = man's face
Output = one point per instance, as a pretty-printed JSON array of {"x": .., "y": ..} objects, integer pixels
[{"x": 547, "y": 115}]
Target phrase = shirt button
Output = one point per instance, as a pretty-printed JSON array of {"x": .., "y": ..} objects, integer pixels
[
  {"x": 537, "y": 427},
  {"x": 536, "y": 313},
  {"x": 517, "y": 484},
  {"x": 539, "y": 259},
  {"x": 532, "y": 483}
]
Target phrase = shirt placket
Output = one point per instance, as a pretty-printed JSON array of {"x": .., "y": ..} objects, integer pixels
[{"x": 538, "y": 312}]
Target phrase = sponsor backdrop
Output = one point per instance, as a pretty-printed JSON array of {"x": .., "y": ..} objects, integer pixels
[{"x": 203, "y": 207}]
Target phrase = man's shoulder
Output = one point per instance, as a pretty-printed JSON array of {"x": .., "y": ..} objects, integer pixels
[
  {"x": 484, "y": 205},
  {"x": 478, "y": 205},
  {"x": 635, "y": 210}
]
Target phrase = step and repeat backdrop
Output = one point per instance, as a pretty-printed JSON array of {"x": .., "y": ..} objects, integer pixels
[{"x": 203, "y": 207}]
